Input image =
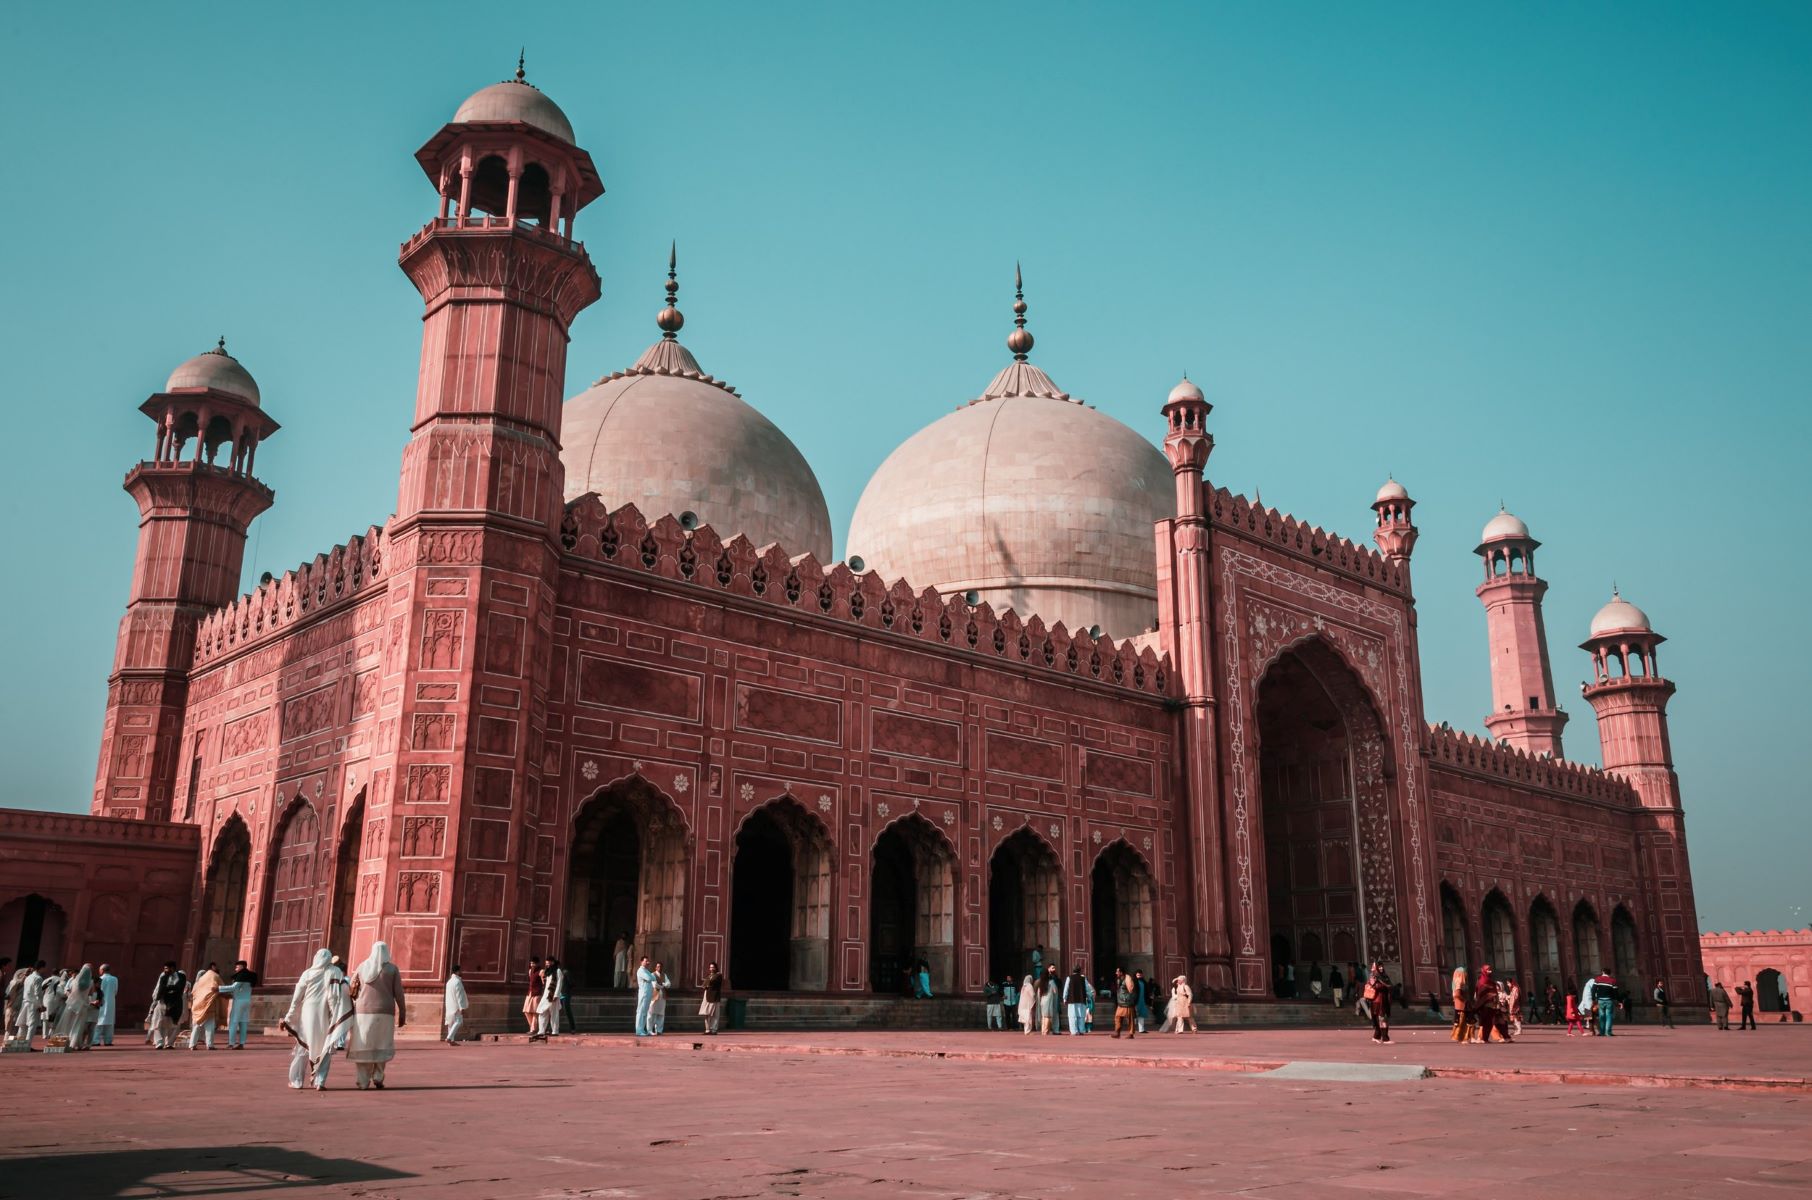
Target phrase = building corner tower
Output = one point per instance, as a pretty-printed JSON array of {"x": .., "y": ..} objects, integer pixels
[
  {"x": 457, "y": 774},
  {"x": 195, "y": 505},
  {"x": 1524, "y": 713}
]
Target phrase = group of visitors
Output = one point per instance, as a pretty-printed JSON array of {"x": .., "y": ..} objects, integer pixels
[
  {"x": 207, "y": 1003},
  {"x": 1044, "y": 1002},
  {"x": 69, "y": 1009},
  {"x": 1720, "y": 1005},
  {"x": 360, "y": 1014},
  {"x": 1490, "y": 1006},
  {"x": 546, "y": 1007}
]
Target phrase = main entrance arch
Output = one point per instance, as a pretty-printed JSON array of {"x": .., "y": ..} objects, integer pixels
[
  {"x": 911, "y": 907},
  {"x": 223, "y": 903},
  {"x": 1324, "y": 763},
  {"x": 1120, "y": 926},
  {"x": 1025, "y": 905},
  {"x": 780, "y": 883},
  {"x": 346, "y": 879},
  {"x": 627, "y": 879}
]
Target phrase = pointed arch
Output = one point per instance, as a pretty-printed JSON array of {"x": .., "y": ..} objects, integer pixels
[
  {"x": 1588, "y": 946},
  {"x": 1456, "y": 948},
  {"x": 627, "y": 868},
  {"x": 780, "y": 899},
  {"x": 1121, "y": 911},
  {"x": 347, "y": 857},
  {"x": 223, "y": 891},
  {"x": 912, "y": 905},
  {"x": 1498, "y": 923},
  {"x": 1626, "y": 957},
  {"x": 1544, "y": 943},
  {"x": 293, "y": 895},
  {"x": 1025, "y": 903}
]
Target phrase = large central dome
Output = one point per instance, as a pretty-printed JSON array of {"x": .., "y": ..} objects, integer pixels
[
  {"x": 1028, "y": 497},
  {"x": 669, "y": 438}
]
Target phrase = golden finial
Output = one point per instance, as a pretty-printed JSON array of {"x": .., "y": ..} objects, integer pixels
[
  {"x": 521, "y": 58},
  {"x": 1020, "y": 340},
  {"x": 670, "y": 319}
]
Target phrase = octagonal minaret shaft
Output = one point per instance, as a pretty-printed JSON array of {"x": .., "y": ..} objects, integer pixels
[{"x": 1524, "y": 714}]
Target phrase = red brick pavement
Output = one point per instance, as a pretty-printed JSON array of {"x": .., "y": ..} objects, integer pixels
[{"x": 510, "y": 1120}]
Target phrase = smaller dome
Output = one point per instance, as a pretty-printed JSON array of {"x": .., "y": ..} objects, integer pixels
[
  {"x": 1504, "y": 525},
  {"x": 1392, "y": 490},
  {"x": 218, "y": 370},
  {"x": 1185, "y": 392},
  {"x": 1618, "y": 615},
  {"x": 516, "y": 100}
]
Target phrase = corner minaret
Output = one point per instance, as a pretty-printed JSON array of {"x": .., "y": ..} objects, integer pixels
[
  {"x": 196, "y": 497},
  {"x": 1524, "y": 713},
  {"x": 1630, "y": 697},
  {"x": 1396, "y": 533}
]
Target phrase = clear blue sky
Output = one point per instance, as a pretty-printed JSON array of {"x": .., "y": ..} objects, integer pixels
[{"x": 1557, "y": 254}]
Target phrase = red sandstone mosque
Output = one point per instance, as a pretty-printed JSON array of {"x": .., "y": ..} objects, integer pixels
[{"x": 598, "y": 675}]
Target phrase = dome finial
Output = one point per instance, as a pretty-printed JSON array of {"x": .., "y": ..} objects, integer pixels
[
  {"x": 220, "y": 346},
  {"x": 521, "y": 58},
  {"x": 670, "y": 319},
  {"x": 1020, "y": 340}
]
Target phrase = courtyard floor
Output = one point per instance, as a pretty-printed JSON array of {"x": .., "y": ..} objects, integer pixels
[{"x": 1651, "y": 1113}]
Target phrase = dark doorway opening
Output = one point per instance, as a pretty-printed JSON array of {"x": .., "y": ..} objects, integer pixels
[
  {"x": 1024, "y": 906},
  {"x": 892, "y": 915},
  {"x": 37, "y": 924},
  {"x": 761, "y": 906}
]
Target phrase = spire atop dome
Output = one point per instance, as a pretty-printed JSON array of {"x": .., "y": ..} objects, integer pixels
[
  {"x": 1020, "y": 340},
  {"x": 220, "y": 346},
  {"x": 671, "y": 320},
  {"x": 521, "y": 57}
]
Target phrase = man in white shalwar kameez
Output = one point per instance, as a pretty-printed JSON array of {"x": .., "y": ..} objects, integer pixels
[
  {"x": 644, "y": 996},
  {"x": 453, "y": 1010},
  {"x": 377, "y": 1013},
  {"x": 547, "y": 1012},
  {"x": 314, "y": 1019},
  {"x": 30, "y": 1019},
  {"x": 103, "y": 1021}
]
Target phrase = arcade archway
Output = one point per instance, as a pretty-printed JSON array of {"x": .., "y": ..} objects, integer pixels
[
  {"x": 1770, "y": 990},
  {"x": 32, "y": 928},
  {"x": 912, "y": 907},
  {"x": 346, "y": 879},
  {"x": 1544, "y": 943},
  {"x": 780, "y": 884},
  {"x": 1500, "y": 935},
  {"x": 223, "y": 905},
  {"x": 1588, "y": 952},
  {"x": 1326, "y": 830},
  {"x": 293, "y": 920},
  {"x": 627, "y": 879},
  {"x": 1025, "y": 905},
  {"x": 1120, "y": 927},
  {"x": 1455, "y": 953},
  {"x": 1625, "y": 953}
]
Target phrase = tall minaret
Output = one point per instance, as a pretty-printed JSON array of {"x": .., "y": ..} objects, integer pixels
[
  {"x": 474, "y": 548},
  {"x": 196, "y": 497},
  {"x": 1524, "y": 713}
]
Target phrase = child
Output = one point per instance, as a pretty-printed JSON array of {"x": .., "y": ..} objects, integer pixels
[{"x": 1574, "y": 1025}]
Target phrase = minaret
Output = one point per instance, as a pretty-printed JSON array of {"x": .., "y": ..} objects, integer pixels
[
  {"x": 1524, "y": 713},
  {"x": 1396, "y": 533},
  {"x": 1630, "y": 698},
  {"x": 1186, "y": 633},
  {"x": 474, "y": 548},
  {"x": 196, "y": 497}
]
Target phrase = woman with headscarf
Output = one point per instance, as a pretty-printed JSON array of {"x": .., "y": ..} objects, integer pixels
[
  {"x": 204, "y": 1006},
  {"x": 1462, "y": 1007},
  {"x": 377, "y": 1013},
  {"x": 314, "y": 1019},
  {"x": 1377, "y": 996},
  {"x": 1490, "y": 1012},
  {"x": 55, "y": 995},
  {"x": 74, "y": 1021},
  {"x": 1181, "y": 1009},
  {"x": 1028, "y": 1003}
]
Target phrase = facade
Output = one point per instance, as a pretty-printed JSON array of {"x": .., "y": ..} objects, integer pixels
[
  {"x": 1063, "y": 692},
  {"x": 1778, "y": 963}
]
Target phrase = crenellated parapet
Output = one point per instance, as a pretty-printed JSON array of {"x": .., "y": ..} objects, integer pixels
[
  {"x": 624, "y": 538},
  {"x": 331, "y": 580},
  {"x": 1303, "y": 540},
  {"x": 1469, "y": 752}
]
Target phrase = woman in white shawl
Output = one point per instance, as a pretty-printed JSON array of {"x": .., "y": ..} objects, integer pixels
[
  {"x": 314, "y": 1019},
  {"x": 1028, "y": 1003},
  {"x": 377, "y": 1013},
  {"x": 1181, "y": 1009},
  {"x": 74, "y": 1021}
]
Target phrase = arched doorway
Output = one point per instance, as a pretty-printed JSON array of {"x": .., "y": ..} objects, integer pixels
[
  {"x": 1544, "y": 943},
  {"x": 780, "y": 901},
  {"x": 1500, "y": 935},
  {"x": 1455, "y": 955},
  {"x": 1120, "y": 910},
  {"x": 1025, "y": 905},
  {"x": 346, "y": 879},
  {"x": 1624, "y": 951},
  {"x": 627, "y": 878},
  {"x": 1324, "y": 771},
  {"x": 32, "y": 928},
  {"x": 1588, "y": 954},
  {"x": 292, "y": 901},
  {"x": 912, "y": 907},
  {"x": 1770, "y": 990},
  {"x": 223, "y": 908}
]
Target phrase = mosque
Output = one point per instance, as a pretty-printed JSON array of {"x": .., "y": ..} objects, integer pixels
[{"x": 598, "y": 675}]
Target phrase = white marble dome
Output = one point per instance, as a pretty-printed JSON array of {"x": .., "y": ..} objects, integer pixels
[
  {"x": 1619, "y": 615},
  {"x": 218, "y": 370},
  {"x": 1029, "y": 498},
  {"x": 1392, "y": 490},
  {"x": 668, "y": 438},
  {"x": 1504, "y": 525},
  {"x": 516, "y": 100}
]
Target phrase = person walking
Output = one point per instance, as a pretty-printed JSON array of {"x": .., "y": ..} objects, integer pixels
[
  {"x": 454, "y": 1003},
  {"x": 239, "y": 988},
  {"x": 1604, "y": 999},
  {"x": 166, "y": 1005},
  {"x": 1126, "y": 1004},
  {"x": 107, "y": 992},
  {"x": 1720, "y": 1004},
  {"x": 1075, "y": 1000},
  {"x": 1181, "y": 1009},
  {"x": 711, "y": 1003},
  {"x": 378, "y": 1012},
  {"x": 531, "y": 1003},
  {"x": 1487, "y": 1007},
  {"x": 1746, "y": 995},
  {"x": 1141, "y": 999},
  {"x": 26, "y": 1000},
  {"x": 644, "y": 996},
  {"x": 204, "y": 1007},
  {"x": 1659, "y": 996},
  {"x": 1337, "y": 984},
  {"x": 313, "y": 1020},
  {"x": 1462, "y": 1007},
  {"x": 1377, "y": 996},
  {"x": 993, "y": 993},
  {"x": 1575, "y": 1023},
  {"x": 1049, "y": 993}
]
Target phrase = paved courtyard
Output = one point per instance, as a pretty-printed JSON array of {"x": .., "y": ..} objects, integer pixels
[{"x": 771, "y": 1115}]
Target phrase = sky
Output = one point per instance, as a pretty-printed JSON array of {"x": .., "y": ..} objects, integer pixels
[{"x": 1558, "y": 256}]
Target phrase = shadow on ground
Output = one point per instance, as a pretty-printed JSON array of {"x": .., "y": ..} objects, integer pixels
[{"x": 184, "y": 1171}]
